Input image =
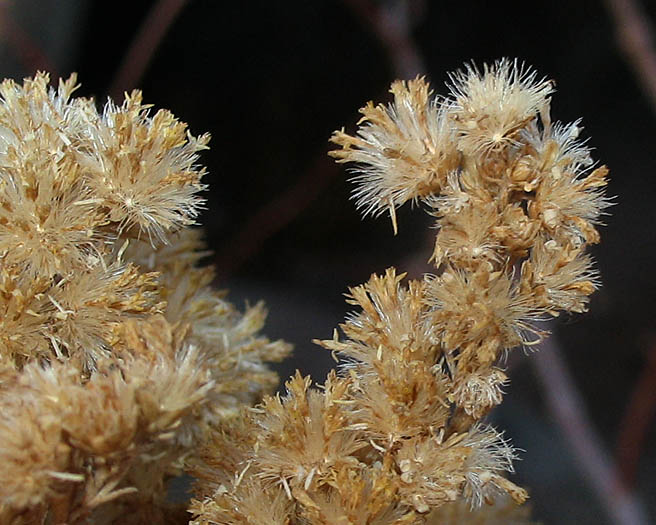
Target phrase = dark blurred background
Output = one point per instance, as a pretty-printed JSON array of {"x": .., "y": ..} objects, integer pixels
[{"x": 271, "y": 80}]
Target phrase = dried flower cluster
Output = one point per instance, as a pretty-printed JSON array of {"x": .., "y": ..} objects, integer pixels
[
  {"x": 116, "y": 355},
  {"x": 397, "y": 437}
]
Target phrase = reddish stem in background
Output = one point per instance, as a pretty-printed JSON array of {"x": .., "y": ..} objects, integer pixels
[
  {"x": 273, "y": 217},
  {"x": 143, "y": 47},
  {"x": 635, "y": 38},
  {"x": 28, "y": 52},
  {"x": 392, "y": 26},
  {"x": 568, "y": 409},
  {"x": 637, "y": 420}
]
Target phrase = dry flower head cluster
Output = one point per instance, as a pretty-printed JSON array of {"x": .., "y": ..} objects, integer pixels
[
  {"x": 116, "y": 355},
  {"x": 121, "y": 367},
  {"x": 398, "y": 435}
]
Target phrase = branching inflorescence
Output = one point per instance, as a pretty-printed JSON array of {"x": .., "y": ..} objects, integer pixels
[
  {"x": 397, "y": 437},
  {"x": 118, "y": 359}
]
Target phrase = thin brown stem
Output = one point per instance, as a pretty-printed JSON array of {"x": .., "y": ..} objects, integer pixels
[
  {"x": 566, "y": 404},
  {"x": 393, "y": 26},
  {"x": 636, "y": 39},
  {"x": 638, "y": 419},
  {"x": 27, "y": 50},
  {"x": 145, "y": 43},
  {"x": 274, "y": 216}
]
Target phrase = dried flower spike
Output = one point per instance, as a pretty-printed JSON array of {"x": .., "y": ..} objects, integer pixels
[{"x": 397, "y": 436}]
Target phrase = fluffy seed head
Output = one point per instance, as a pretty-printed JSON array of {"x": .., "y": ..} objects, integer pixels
[
  {"x": 489, "y": 108},
  {"x": 402, "y": 153}
]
